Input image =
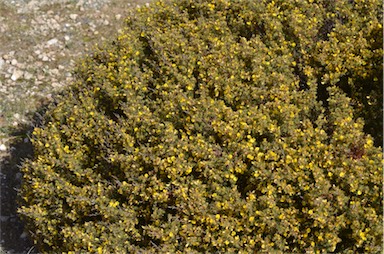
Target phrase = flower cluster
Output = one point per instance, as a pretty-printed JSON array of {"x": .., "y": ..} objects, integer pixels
[{"x": 214, "y": 126}]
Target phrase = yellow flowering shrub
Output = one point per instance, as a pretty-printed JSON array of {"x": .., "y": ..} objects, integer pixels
[{"x": 215, "y": 126}]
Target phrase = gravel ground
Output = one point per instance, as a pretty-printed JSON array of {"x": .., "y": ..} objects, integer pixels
[{"x": 39, "y": 44}]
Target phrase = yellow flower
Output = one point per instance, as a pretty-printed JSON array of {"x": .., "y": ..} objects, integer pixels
[{"x": 113, "y": 203}]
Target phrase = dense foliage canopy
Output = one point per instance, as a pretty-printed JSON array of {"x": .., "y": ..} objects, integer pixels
[{"x": 218, "y": 126}]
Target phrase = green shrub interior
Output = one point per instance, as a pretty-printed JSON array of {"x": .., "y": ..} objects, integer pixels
[{"x": 217, "y": 127}]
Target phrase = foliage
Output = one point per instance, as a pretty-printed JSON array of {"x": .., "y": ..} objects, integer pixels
[{"x": 213, "y": 126}]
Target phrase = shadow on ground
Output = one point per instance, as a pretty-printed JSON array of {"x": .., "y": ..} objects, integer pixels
[{"x": 14, "y": 238}]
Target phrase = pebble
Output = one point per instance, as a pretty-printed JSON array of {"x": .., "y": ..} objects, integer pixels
[
  {"x": 27, "y": 75},
  {"x": 56, "y": 84},
  {"x": 52, "y": 41},
  {"x": 17, "y": 74},
  {"x": 9, "y": 55},
  {"x": 3, "y": 148},
  {"x": 24, "y": 235},
  {"x": 73, "y": 16},
  {"x": 33, "y": 5},
  {"x": 55, "y": 71}
]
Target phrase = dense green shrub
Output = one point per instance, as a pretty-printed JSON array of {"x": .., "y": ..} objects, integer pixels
[{"x": 215, "y": 126}]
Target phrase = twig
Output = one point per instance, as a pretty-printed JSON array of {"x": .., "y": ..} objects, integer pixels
[{"x": 30, "y": 250}]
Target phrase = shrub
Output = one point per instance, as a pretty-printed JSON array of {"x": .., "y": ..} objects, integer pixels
[{"x": 213, "y": 126}]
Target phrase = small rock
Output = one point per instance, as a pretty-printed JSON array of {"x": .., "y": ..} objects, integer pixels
[
  {"x": 14, "y": 62},
  {"x": 55, "y": 71},
  {"x": 3, "y": 148},
  {"x": 20, "y": 65},
  {"x": 55, "y": 84},
  {"x": 28, "y": 75},
  {"x": 118, "y": 16},
  {"x": 33, "y": 5},
  {"x": 52, "y": 41},
  {"x": 9, "y": 55},
  {"x": 17, "y": 74},
  {"x": 24, "y": 235},
  {"x": 73, "y": 16}
]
